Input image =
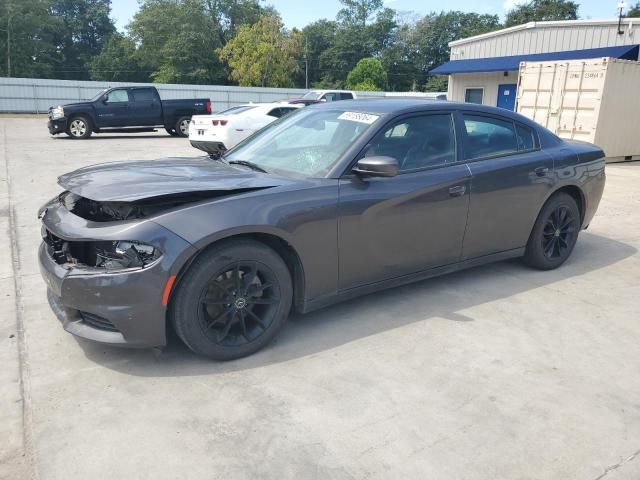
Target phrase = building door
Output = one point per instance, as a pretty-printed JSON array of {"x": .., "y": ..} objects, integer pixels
[{"x": 507, "y": 96}]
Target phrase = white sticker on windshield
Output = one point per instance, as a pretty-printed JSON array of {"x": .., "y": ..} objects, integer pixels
[{"x": 359, "y": 117}]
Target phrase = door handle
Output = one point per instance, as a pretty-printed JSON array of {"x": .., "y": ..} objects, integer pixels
[
  {"x": 457, "y": 190},
  {"x": 541, "y": 171}
]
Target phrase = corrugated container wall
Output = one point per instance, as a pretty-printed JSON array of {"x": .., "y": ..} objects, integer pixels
[{"x": 596, "y": 101}]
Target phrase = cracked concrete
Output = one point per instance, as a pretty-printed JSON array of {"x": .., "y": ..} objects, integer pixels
[{"x": 498, "y": 372}]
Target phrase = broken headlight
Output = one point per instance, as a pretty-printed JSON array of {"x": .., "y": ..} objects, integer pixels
[{"x": 126, "y": 254}]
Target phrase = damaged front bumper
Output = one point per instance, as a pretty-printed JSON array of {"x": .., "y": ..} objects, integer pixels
[{"x": 114, "y": 306}]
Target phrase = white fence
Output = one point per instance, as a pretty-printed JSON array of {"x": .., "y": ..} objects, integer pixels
[{"x": 34, "y": 95}]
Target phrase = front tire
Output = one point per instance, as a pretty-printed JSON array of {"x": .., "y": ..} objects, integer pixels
[
  {"x": 182, "y": 126},
  {"x": 79, "y": 127},
  {"x": 554, "y": 234},
  {"x": 233, "y": 300}
]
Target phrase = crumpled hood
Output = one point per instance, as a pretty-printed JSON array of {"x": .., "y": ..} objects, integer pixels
[{"x": 138, "y": 180}]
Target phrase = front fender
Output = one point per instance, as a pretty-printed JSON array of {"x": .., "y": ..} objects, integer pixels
[{"x": 304, "y": 218}]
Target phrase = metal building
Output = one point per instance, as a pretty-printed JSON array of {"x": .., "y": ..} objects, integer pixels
[{"x": 484, "y": 69}]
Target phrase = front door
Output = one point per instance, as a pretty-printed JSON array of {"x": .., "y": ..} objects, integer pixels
[
  {"x": 390, "y": 227},
  {"x": 507, "y": 96},
  {"x": 113, "y": 109}
]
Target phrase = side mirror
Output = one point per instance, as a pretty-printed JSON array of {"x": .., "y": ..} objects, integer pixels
[
  {"x": 377, "y": 167},
  {"x": 104, "y": 100}
]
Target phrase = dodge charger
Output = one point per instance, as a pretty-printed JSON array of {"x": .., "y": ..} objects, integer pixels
[{"x": 333, "y": 201}]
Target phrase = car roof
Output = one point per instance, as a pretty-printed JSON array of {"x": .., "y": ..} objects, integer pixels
[{"x": 396, "y": 106}]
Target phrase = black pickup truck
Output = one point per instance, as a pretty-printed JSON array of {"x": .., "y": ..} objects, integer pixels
[{"x": 126, "y": 109}]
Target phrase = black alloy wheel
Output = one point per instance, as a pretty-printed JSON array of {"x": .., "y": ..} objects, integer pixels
[
  {"x": 233, "y": 300},
  {"x": 558, "y": 232},
  {"x": 554, "y": 234},
  {"x": 239, "y": 304}
]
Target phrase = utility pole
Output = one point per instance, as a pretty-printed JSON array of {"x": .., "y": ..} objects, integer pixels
[
  {"x": 8, "y": 38},
  {"x": 621, "y": 6},
  {"x": 306, "y": 63}
]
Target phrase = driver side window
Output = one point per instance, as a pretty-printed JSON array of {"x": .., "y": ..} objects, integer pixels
[
  {"x": 417, "y": 142},
  {"x": 117, "y": 96}
]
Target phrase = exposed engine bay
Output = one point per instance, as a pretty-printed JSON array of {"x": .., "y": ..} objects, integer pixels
[{"x": 117, "y": 211}]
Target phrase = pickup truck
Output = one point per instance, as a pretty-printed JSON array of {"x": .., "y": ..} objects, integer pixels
[
  {"x": 318, "y": 96},
  {"x": 126, "y": 109}
]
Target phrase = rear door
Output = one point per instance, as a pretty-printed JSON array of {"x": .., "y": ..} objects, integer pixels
[
  {"x": 390, "y": 227},
  {"x": 510, "y": 179},
  {"x": 145, "y": 108},
  {"x": 112, "y": 110}
]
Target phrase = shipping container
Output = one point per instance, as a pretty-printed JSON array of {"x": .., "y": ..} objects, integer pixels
[{"x": 595, "y": 100}]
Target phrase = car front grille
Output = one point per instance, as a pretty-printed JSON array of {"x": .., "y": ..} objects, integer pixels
[{"x": 98, "y": 322}]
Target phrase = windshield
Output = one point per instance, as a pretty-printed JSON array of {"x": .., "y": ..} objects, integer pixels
[
  {"x": 306, "y": 143},
  {"x": 97, "y": 95},
  {"x": 236, "y": 110},
  {"x": 312, "y": 95}
]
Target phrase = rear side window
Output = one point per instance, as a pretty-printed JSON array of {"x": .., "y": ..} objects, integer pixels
[
  {"x": 487, "y": 136},
  {"x": 276, "y": 112},
  {"x": 143, "y": 95},
  {"x": 525, "y": 137},
  {"x": 346, "y": 96}
]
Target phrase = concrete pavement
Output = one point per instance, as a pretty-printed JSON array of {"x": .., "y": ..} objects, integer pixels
[{"x": 498, "y": 372}]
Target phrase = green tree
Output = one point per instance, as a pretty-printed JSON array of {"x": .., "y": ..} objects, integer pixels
[
  {"x": 634, "y": 11},
  {"x": 353, "y": 42},
  {"x": 542, "y": 10},
  {"x": 358, "y": 12},
  {"x": 176, "y": 40},
  {"x": 368, "y": 73},
  {"x": 118, "y": 62},
  {"x": 434, "y": 32},
  {"x": 27, "y": 44},
  {"x": 317, "y": 37},
  {"x": 82, "y": 29},
  {"x": 263, "y": 54}
]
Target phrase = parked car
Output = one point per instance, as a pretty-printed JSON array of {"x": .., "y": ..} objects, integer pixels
[
  {"x": 219, "y": 132},
  {"x": 126, "y": 109},
  {"x": 332, "y": 202},
  {"x": 318, "y": 96}
]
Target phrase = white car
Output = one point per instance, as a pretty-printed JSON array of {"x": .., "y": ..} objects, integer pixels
[{"x": 217, "y": 133}]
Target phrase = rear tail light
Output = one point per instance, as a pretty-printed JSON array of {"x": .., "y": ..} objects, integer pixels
[
  {"x": 224, "y": 122},
  {"x": 208, "y": 106},
  {"x": 215, "y": 123}
]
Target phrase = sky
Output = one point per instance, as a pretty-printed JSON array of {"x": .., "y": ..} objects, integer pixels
[{"x": 298, "y": 13}]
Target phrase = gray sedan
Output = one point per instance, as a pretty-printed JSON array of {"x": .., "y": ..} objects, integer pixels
[{"x": 334, "y": 201}]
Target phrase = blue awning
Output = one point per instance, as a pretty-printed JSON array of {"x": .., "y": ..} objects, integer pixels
[{"x": 505, "y": 64}]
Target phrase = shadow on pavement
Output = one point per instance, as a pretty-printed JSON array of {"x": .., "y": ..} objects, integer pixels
[
  {"x": 111, "y": 136},
  {"x": 304, "y": 335}
]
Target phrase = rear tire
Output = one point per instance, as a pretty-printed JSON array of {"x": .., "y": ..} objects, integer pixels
[
  {"x": 182, "y": 126},
  {"x": 171, "y": 132},
  {"x": 233, "y": 300},
  {"x": 554, "y": 234},
  {"x": 79, "y": 127}
]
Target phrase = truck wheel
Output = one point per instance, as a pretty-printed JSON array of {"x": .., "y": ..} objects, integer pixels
[
  {"x": 79, "y": 127},
  {"x": 182, "y": 126},
  {"x": 171, "y": 132}
]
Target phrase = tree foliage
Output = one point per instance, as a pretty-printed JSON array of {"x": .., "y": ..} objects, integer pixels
[
  {"x": 263, "y": 54},
  {"x": 634, "y": 11},
  {"x": 542, "y": 10},
  {"x": 368, "y": 74}
]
